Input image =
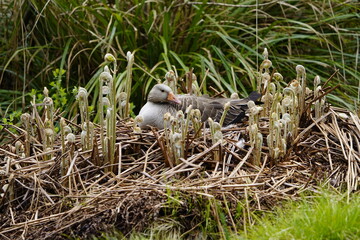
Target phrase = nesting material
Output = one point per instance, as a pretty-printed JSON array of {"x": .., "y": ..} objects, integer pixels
[
  {"x": 38, "y": 200},
  {"x": 78, "y": 184}
]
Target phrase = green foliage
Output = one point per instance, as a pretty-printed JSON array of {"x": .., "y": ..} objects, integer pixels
[
  {"x": 11, "y": 119},
  {"x": 173, "y": 203},
  {"x": 57, "y": 92},
  {"x": 224, "y": 38},
  {"x": 327, "y": 216}
]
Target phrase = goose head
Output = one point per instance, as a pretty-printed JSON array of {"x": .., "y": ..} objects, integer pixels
[{"x": 162, "y": 93}]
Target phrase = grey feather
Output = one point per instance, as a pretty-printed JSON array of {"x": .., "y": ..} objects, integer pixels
[{"x": 158, "y": 104}]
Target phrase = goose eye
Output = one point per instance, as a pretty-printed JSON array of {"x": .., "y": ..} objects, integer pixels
[{"x": 162, "y": 90}]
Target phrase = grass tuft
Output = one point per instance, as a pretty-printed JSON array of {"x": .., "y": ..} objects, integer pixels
[{"x": 327, "y": 216}]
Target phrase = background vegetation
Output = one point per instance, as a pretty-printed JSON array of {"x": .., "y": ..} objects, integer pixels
[{"x": 61, "y": 44}]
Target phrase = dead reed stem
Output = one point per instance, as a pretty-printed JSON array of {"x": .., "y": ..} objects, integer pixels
[{"x": 42, "y": 206}]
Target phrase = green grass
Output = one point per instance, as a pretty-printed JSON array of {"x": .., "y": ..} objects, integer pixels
[
  {"x": 328, "y": 216},
  {"x": 38, "y": 37}
]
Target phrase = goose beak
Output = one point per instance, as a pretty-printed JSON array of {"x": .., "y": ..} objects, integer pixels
[{"x": 171, "y": 97}]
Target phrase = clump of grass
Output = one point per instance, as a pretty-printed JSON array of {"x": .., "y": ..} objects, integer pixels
[{"x": 328, "y": 216}]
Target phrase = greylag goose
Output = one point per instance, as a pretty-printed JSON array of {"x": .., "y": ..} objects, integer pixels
[{"x": 161, "y": 100}]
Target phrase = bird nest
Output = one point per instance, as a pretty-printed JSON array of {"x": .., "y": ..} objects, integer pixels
[{"x": 37, "y": 202}]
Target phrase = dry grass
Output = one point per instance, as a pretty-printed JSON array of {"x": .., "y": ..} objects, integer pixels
[{"x": 38, "y": 203}]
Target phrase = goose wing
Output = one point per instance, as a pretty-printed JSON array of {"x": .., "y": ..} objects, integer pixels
[
  {"x": 214, "y": 107},
  {"x": 208, "y": 107},
  {"x": 238, "y": 108}
]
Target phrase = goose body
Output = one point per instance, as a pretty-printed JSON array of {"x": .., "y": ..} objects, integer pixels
[{"x": 161, "y": 100}]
